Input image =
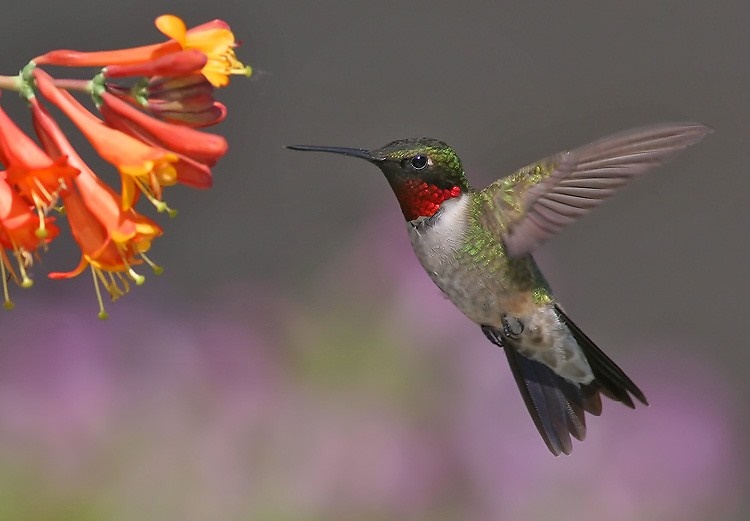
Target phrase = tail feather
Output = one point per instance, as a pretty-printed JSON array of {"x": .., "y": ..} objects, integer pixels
[
  {"x": 610, "y": 379},
  {"x": 557, "y": 405}
]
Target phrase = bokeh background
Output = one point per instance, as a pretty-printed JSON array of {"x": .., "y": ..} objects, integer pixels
[{"x": 294, "y": 363}]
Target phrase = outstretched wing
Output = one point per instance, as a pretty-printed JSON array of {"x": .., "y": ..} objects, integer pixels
[{"x": 538, "y": 200}]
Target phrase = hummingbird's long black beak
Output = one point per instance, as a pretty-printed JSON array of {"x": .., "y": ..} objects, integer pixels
[{"x": 353, "y": 152}]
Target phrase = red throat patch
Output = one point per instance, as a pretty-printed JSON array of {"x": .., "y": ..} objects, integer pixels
[{"x": 421, "y": 199}]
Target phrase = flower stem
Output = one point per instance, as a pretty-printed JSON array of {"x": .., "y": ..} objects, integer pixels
[
  {"x": 71, "y": 84},
  {"x": 10, "y": 83},
  {"x": 16, "y": 83}
]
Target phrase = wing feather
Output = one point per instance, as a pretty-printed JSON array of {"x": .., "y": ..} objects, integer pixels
[{"x": 539, "y": 200}]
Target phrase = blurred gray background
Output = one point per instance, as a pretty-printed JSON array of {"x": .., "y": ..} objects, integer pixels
[{"x": 504, "y": 83}]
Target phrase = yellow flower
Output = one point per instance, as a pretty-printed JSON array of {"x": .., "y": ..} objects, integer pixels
[{"x": 214, "y": 39}]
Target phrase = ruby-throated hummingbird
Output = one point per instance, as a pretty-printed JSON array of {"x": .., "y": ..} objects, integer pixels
[{"x": 476, "y": 246}]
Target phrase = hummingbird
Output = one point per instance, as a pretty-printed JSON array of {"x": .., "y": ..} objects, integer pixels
[{"x": 477, "y": 245}]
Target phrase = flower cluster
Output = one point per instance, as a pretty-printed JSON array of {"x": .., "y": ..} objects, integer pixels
[{"x": 151, "y": 101}]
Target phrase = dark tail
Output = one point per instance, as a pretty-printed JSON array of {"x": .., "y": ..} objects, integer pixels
[
  {"x": 557, "y": 405},
  {"x": 608, "y": 378}
]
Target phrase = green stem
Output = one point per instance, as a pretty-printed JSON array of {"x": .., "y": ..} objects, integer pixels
[
  {"x": 10, "y": 83},
  {"x": 17, "y": 84}
]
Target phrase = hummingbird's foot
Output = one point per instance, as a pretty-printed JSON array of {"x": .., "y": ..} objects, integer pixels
[
  {"x": 512, "y": 327},
  {"x": 493, "y": 335}
]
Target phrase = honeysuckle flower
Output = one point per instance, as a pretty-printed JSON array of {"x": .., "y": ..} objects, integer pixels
[
  {"x": 19, "y": 226},
  {"x": 185, "y": 100},
  {"x": 188, "y": 171},
  {"x": 31, "y": 171},
  {"x": 110, "y": 256},
  {"x": 129, "y": 56},
  {"x": 193, "y": 147},
  {"x": 111, "y": 239},
  {"x": 151, "y": 99},
  {"x": 19, "y": 222},
  {"x": 142, "y": 167},
  {"x": 180, "y": 63},
  {"x": 214, "y": 39}
]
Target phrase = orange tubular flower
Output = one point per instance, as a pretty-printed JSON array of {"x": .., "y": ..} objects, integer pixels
[
  {"x": 129, "y": 56},
  {"x": 19, "y": 226},
  {"x": 141, "y": 166},
  {"x": 112, "y": 240},
  {"x": 180, "y": 63},
  {"x": 191, "y": 146},
  {"x": 35, "y": 175},
  {"x": 201, "y": 146},
  {"x": 214, "y": 39}
]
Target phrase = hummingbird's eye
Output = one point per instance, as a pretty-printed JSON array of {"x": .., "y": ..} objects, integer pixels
[{"x": 419, "y": 162}]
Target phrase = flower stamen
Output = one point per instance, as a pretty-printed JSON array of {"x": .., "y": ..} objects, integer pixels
[
  {"x": 134, "y": 275},
  {"x": 115, "y": 291},
  {"x": 7, "y": 303},
  {"x": 148, "y": 192},
  {"x": 51, "y": 198},
  {"x": 24, "y": 259},
  {"x": 95, "y": 274},
  {"x": 158, "y": 270}
]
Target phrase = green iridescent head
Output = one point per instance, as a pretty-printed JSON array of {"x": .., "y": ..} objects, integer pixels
[
  {"x": 423, "y": 172},
  {"x": 426, "y": 159}
]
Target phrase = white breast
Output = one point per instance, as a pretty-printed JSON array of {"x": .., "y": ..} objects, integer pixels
[{"x": 436, "y": 239}]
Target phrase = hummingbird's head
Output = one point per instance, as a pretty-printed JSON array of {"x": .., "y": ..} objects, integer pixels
[{"x": 423, "y": 172}]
